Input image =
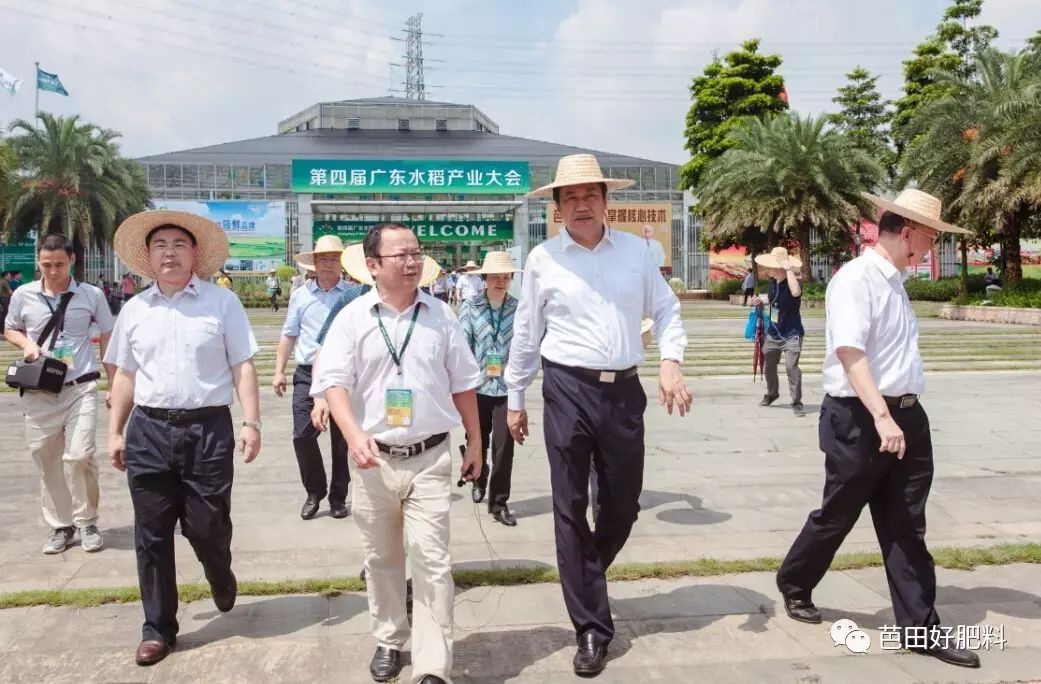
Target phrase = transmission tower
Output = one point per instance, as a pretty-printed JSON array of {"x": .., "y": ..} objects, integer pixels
[{"x": 415, "y": 89}]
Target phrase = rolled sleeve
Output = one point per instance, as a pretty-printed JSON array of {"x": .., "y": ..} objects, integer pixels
[
  {"x": 291, "y": 328},
  {"x": 239, "y": 342},
  {"x": 14, "y": 321},
  {"x": 102, "y": 314},
  {"x": 336, "y": 363},
  {"x": 529, "y": 326},
  {"x": 665, "y": 311},
  {"x": 119, "y": 352},
  {"x": 463, "y": 372},
  {"x": 848, "y": 308}
]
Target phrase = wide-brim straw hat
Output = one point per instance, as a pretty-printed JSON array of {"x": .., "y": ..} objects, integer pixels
[
  {"x": 917, "y": 207},
  {"x": 210, "y": 240},
  {"x": 470, "y": 265},
  {"x": 353, "y": 262},
  {"x": 577, "y": 169},
  {"x": 772, "y": 260},
  {"x": 496, "y": 263},
  {"x": 327, "y": 244}
]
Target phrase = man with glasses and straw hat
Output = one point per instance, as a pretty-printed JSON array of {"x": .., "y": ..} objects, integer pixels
[
  {"x": 181, "y": 349},
  {"x": 487, "y": 321},
  {"x": 309, "y": 306},
  {"x": 583, "y": 295},
  {"x": 874, "y": 431}
]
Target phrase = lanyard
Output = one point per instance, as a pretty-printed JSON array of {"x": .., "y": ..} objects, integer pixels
[
  {"x": 397, "y": 355},
  {"x": 496, "y": 326}
]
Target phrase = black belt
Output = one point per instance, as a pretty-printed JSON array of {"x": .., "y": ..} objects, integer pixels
[
  {"x": 903, "y": 401},
  {"x": 411, "y": 450},
  {"x": 606, "y": 376},
  {"x": 181, "y": 415},
  {"x": 86, "y": 377}
]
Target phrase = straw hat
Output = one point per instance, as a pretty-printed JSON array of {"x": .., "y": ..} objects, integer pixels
[
  {"x": 496, "y": 263},
  {"x": 918, "y": 207},
  {"x": 772, "y": 260},
  {"x": 353, "y": 262},
  {"x": 471, "y": 265},
  {"x": 576, "y": 169},
  {"x": 211, "y": 241},
  {"x": 327, "y": 244}
]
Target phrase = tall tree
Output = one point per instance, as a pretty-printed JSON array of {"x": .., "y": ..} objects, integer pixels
[
  {"x": 742, "y": 84},
  {"x": 973, "y": 148},
  {"x": 786, "y": 176},
  {"x": 75, "y": 182},
  {"x": 8, "y": 169},
  {"x": 1034, "y": 42},
  {"x": 864, "y": 117}
]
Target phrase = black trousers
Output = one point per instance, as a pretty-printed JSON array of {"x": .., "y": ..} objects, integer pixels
[
  {"x": 179, "y": 472},
  {"x": 857, "y": 474},
  {"x": 495, "y": 437},
  {"x": 305, "y": 443},
  {"x": 587, "y": 421},
  {"x": 749, "y": 291}
]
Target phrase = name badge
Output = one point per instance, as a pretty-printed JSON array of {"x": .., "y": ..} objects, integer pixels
[
  {"x": 775, "y": 316},
  {"x": 493, "y": 367},
  {"x": 398, "y": 407}
]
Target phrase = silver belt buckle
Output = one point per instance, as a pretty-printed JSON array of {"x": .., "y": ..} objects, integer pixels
[
  {"x": 908, "y": 400},
  {"x": 607, "y": 376},
  {"x": 400, "y": 451}
]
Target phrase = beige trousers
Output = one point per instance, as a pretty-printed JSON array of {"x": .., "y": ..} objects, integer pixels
[
  {"x": 403, "y": 504},
  {"x": 59, "y": 429}
]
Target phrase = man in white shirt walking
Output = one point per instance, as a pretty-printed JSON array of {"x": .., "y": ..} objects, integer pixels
[
  {"x": 181, "y": 347},
  {"x": 873, "y": 430},
  {"x": 469, "y": 285},
  {"x": 60, "y": 428},
  {"x": 582, "y": 299},
  {"x": 397, "y": 374}
]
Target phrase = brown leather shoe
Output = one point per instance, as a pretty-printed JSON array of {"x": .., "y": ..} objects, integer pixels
[{"x": 151, "y": 652}]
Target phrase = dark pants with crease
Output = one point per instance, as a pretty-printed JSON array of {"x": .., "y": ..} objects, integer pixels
[
  {"x": 179, "y": 472},
  {"x": 495, "y": 437},
  {"x": 305, "y": 444},
  {"x": 587, "y": 421},
  {"x": 895, "y": 490}
]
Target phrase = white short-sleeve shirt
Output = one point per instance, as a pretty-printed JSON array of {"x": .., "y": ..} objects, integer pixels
[
  {"x": 868, "y": 309},
  {"x": 183, "y": 348}
]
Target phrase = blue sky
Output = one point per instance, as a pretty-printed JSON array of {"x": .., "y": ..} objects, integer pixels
[{"x": 605, "y": 74}]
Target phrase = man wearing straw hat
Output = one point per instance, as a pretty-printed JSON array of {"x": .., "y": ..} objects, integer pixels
[
  {"x": 487, "y": 321},
  {"x": 873, "y": 430},
  {"x": 181, "y": 348},
  {"x": 582, "y": 298},
  {"x": 308, "y": 308},
  {"x": 469, "y": 284},
  {"x": 784, "y": 332},
  {"x": 398, "y": 375}
]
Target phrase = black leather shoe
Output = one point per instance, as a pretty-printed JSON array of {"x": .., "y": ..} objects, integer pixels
[
  {"x": 339, "y": 509},
  {"x": 504, "y": 516},
  {"x": 310, "y": 507},
  {"x": 767, "y": 400},
  {"x": 591, "y": 655},
  {"x": 802, "y": 610},
  {"x": 150, "y": 652},
  {"x": 951, "y": 656},
  {"x": 224, "y": 597},
  {"x": 477, "y": 494},
  {"x": 385, "y": 665},
  {"x": 431, "y": 679},
  {"x": 798, "y": 410}
]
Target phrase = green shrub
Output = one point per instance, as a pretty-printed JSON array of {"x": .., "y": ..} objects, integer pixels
[
  {"x": 285, "y": 273},
  {"x": 677, "y": 285},
  {"x": 1026, "y": 295},
  {"x": 724, "y": 287}
]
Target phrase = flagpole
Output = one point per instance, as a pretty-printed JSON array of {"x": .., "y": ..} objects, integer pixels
[{"x": 36, "y": 116}]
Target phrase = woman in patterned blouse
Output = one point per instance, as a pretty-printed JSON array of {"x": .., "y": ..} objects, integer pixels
[{"x": 487, "y": 320}]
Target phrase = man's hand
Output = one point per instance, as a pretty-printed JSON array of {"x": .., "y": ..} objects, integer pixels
[
  {"x": 363, "y": 450},
  {"x": 31, "y": 351},
  {"x": 672, "y": 390},
  {"x": 279, "y": 383},
  {"x": 517, "y": 421},
  {"x": 784, "y": 262},
  {"x": 472, "y": 459},
  {"x": 249, "y": 443},
  {"x": 117, "y": 452},
  {"x": 320, "y": 415},
  {"x": 891, "y": 436}
]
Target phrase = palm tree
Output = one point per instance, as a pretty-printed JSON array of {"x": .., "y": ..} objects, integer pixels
[
  {"x": 786, "y": 176},
  {"x": 973, "y": 150},
  {"x": 8, "y": 168},
  {"x": 75, "y": 182}
]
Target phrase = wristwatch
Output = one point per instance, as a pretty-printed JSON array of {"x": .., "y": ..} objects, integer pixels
[{"x": 253, "y": 424}]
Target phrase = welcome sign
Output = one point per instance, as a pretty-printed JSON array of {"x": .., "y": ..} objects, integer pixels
[{"x": 448, "y": 230}]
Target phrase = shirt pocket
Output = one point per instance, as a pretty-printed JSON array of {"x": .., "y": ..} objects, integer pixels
[
  {"x": 202, "y": 341},
  {"x": 627, "y": 286}
]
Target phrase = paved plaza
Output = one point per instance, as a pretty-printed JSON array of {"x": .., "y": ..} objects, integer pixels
[{"x": 730, "y": 481}]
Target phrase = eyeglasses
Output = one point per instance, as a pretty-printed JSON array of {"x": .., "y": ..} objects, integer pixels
[
  {"x": 176, "y": 245},
  {"x": 933, "y": 238},
  {"x": 404, "y": 257}
]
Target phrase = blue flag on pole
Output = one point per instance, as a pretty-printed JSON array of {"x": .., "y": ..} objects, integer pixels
[{"x": 51, "y": 82}]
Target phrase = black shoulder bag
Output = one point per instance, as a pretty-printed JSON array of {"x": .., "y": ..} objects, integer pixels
[{"x": 45, "y": 374}]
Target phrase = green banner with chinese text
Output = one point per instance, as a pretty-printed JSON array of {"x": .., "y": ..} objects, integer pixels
[{"x": 363, "y": 176}]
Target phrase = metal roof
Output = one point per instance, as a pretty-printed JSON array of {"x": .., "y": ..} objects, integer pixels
[{"x": 387, "y": 144}]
